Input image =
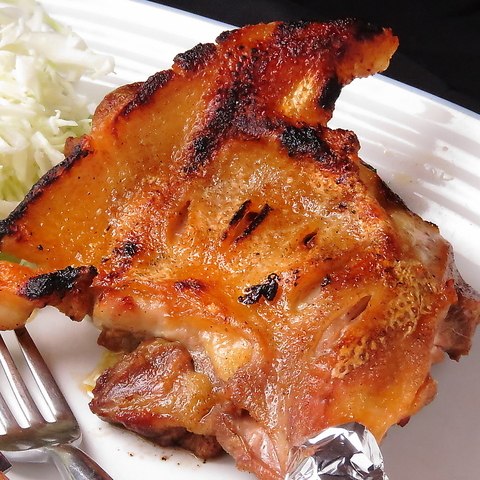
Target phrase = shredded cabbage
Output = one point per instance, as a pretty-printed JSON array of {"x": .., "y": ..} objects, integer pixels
[{"x": 40, "y": 63}]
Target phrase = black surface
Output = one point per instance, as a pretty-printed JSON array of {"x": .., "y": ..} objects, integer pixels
[{"x": 439, "y": 40}]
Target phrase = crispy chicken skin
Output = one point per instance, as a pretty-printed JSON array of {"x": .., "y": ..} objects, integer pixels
[{"x": 261, "y": 281}]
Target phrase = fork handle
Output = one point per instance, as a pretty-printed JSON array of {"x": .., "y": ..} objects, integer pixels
[{"x": 76, "y": 465}]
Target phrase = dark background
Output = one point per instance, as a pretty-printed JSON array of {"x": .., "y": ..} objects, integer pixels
[{"x": 439, "y": 40}]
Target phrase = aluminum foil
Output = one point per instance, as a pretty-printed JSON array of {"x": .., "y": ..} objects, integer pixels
[{"x": 346, "y": 452}]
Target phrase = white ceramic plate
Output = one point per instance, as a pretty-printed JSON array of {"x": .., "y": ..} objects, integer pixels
[{"x": 426, "y": 149}]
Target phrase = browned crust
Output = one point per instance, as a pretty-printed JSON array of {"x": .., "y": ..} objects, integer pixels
[
  {"x": 8, "y": 226},
  {"x": 195, "y": 58},
  {"x": 147, "y": 90}
]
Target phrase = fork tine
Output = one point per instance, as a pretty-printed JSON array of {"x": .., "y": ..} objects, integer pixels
[
  {"x": 43, "y": 377},
  {"x": 6, "y": 417},
  {"x": 24, "y": 399}
]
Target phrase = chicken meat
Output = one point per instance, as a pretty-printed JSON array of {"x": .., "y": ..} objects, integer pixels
[{"x": 258, "y": 279}]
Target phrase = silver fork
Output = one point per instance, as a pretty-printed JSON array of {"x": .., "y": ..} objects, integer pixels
[{"x": 41, "y": 439}]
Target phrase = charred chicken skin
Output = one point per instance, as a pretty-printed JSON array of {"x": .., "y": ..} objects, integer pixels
[{"x": 259, "y": 278}]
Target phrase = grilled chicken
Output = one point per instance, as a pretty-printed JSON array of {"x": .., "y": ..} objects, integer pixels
[{"x": 260, "y": 281}]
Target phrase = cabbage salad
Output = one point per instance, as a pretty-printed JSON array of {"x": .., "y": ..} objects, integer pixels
[{"x": 41, "y": 62}]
